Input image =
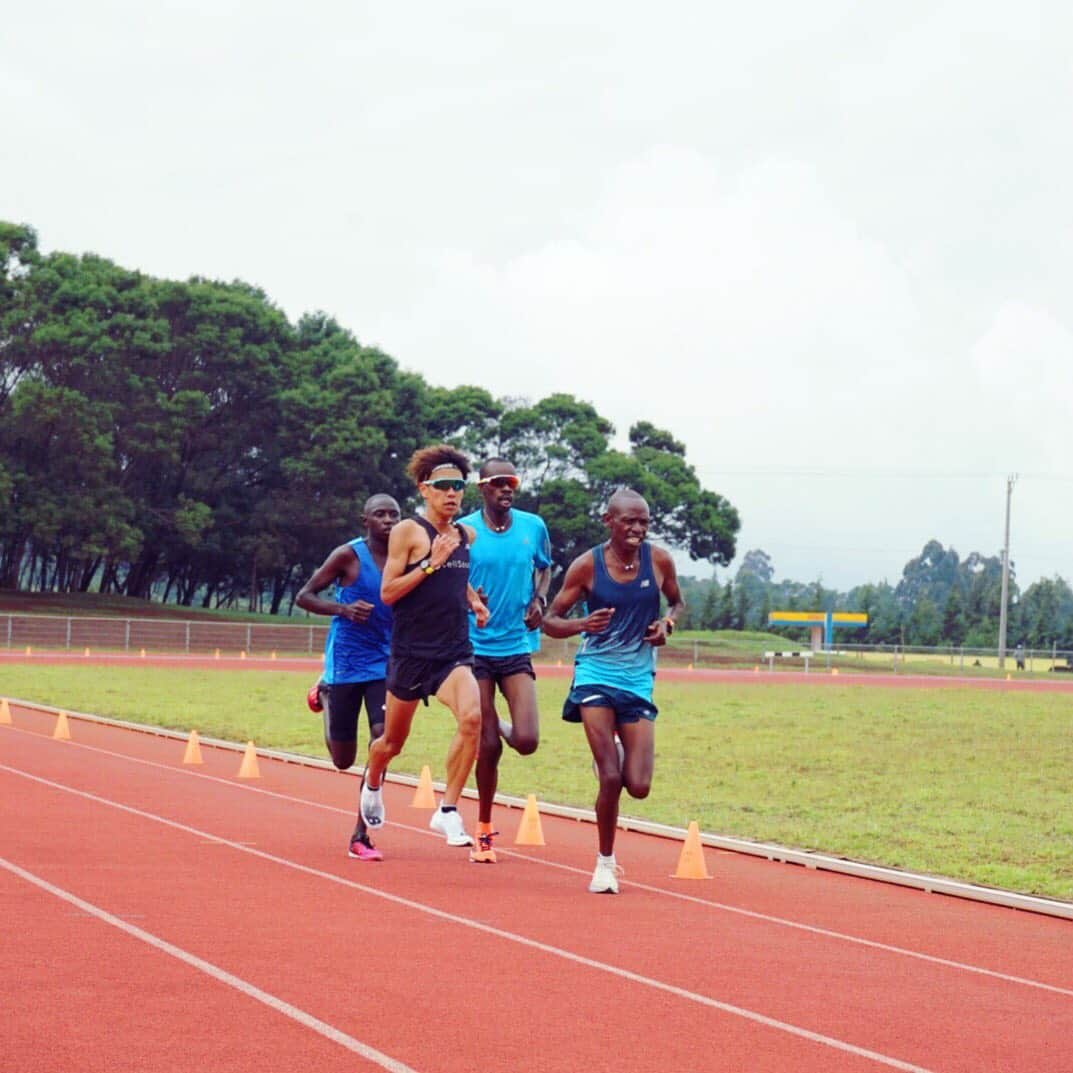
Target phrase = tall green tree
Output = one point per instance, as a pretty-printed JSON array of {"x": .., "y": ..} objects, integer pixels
[{"x": 953, "y": 627}]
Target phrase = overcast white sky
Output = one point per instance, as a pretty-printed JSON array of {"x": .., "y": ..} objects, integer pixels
[{"x": 828, "y": 244}]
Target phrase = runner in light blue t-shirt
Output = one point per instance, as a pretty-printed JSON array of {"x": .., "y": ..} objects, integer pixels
[{"x": 510, "y": 566}]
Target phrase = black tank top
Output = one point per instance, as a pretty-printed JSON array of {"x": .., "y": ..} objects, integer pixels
[{"x": 432, "y": 621}]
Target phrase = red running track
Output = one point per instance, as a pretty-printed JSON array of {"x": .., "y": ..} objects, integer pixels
[{"x": 164, "y": 917}]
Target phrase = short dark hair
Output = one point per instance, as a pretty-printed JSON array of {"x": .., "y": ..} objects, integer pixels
[
  {"x": 621, "y": 495},
  {"x": 493, "y": 461},
  {"x": 424, "y": 460},
  {"x": 368, "y": 504}
]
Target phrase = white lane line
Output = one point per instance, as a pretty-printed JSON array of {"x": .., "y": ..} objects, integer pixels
[
  {"x": 279, "y": 1005},
  {"x": 811, "y": 929},
  {"x": 500, "y": 933}
]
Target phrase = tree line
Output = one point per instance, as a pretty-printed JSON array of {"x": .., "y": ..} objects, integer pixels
[
  {"x": 940, "y": 599},
  {"x": 184, "y": 441}
]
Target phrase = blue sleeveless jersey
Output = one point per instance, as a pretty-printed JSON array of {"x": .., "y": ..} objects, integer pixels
[
  {"x": 357, "y": 652},
  {"x": 503, "y": 564},
  {"x": 620, "y": 657}
]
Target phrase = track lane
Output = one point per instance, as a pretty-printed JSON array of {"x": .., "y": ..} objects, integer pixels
[
  {"x": 667, "y": 672},
  {"x": 79, "y": 994},
  {"x": 418, "y": 959}
]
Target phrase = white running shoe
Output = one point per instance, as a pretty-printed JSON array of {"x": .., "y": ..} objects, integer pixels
[
  {"x": 605, "y": 878},
  {"x": 372, "y": 806},
  {"x": 449, "y": 824}
]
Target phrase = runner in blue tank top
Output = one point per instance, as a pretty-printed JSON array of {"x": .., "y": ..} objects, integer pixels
[
  {"x": 509, "y": 567},
  {"x": 426, "y": 582},
  {"x": 356, "y": 650},
  {"x": 620, "y": 583}
]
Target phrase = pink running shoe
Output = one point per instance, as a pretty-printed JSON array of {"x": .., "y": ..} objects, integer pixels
[
  {"x": 362, "y": 848},
  {"x": 313, "y": 697}
]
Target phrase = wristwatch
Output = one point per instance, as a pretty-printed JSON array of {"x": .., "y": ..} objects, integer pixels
[{"x": 426, "y": 565}]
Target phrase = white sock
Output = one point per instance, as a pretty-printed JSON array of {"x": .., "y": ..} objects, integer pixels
[{"x": 601, "y": 859}]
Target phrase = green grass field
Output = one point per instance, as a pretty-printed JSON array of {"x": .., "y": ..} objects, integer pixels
[{"x": 963, "y": 783}]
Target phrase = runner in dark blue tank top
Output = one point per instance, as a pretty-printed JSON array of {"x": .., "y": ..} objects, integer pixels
[
  {"x": 621, "y": 583},
  {"x": 426, "y": 582}
]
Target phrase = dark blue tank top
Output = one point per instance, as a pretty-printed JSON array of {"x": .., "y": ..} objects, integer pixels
[
  {"x": 432, "y": 622},
  {"x": 620, "y": 657}
]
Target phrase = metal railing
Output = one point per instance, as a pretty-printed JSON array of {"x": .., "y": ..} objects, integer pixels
[{"x": 158, "y": 635}]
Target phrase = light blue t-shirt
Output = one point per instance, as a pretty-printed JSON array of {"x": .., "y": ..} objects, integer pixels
[{"x": 502, "y": 564}]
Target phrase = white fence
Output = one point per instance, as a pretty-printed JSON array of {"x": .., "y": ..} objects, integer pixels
[
  {"x": 75, "y": 633},
  {"x": 159, "y": 635}
]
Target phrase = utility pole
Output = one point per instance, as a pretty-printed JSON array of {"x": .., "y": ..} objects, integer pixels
[{"x": 1010, "y": 481}]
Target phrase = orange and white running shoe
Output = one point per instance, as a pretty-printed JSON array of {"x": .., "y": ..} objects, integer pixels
[{"x": 484, "y": 852}]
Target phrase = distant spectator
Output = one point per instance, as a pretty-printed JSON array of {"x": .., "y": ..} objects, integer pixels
[{"x": 1019, "y": 655}]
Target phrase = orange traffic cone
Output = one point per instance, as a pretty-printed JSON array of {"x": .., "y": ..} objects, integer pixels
[
  {"x": 217, "y": 656},
  {"x": 530, "y": 833},
  {"x": 142, "y": 653},
  {"x": 691, "y": 860},
  {"x": 85, "y": 652},
  {"x": 62, "y": 731},
  {"x": 193, "y": 749},
  {"x": 248, "y": 769},
  {"x": 242, "y": 654},
  {"x": 5, "y": 712},
  {"x": 834, "y": 671},
  {"x": 424, "y": 795}
]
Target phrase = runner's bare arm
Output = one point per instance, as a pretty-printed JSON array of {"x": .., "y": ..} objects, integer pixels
[
  {"x": 658, "y": 631},
  {"x": 576, "y": 585},
  {"x": 534, "y": 613},
  {"x": 478, "y": 606},
  {"x": 402, "y": 549},
  {"x": 342, "y": 564}
]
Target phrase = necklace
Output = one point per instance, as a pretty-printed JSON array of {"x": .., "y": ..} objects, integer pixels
[
  {"x": 628, "y": 567},
  {"x": 496, "y": 528}
]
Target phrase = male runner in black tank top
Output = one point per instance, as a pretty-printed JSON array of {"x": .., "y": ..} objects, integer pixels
[{"x": 426, "y": 582}]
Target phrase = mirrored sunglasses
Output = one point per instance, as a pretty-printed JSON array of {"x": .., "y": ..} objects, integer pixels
[
  {"x": 447, "y": 484},
  {"x": 502, "y": 480}
]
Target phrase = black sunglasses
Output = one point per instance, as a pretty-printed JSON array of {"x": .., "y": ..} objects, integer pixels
[{"x": 445, "y": 484}]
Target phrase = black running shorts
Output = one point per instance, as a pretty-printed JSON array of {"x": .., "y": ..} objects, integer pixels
[
  {"x": 419, "y": 679},
  {"x": 499, "y": 667},
  {"x": 342, "y": 706}
]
